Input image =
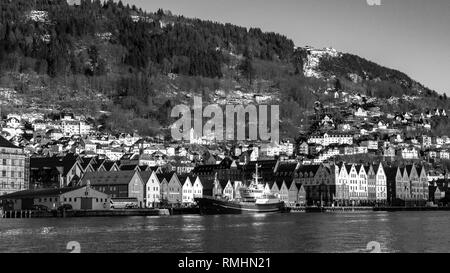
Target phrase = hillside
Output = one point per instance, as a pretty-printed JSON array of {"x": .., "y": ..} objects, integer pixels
[{"x": 126, "y": 68}]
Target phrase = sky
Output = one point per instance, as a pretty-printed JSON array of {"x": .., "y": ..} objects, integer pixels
[{"x": 412, "y": 36}]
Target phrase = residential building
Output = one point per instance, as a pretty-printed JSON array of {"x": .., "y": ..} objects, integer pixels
[
  {"x": 152, "y": 188},
  {"x": 55, "y": 171},
  {"x": 13, "y": 171}
]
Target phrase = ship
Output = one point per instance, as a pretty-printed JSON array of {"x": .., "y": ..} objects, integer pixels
[{"x": 253, "y": 198}]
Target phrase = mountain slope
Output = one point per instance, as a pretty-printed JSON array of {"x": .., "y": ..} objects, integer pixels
[{"x": 126, "y": 68}]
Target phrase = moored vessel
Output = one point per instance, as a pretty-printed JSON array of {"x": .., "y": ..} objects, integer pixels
[{"x": 252, "y": 199}]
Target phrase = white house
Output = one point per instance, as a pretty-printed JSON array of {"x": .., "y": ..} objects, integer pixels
[
  {"x": 381, "y": 183},
  {"x": 410, "y": 153},
  {"x": 360, "y": 112},
  {"x": 152, "y": 188},
  {"x": 228, "y": 191},
  {"x": 197, "y": 187},
  {"x": 187, "y": 196}
]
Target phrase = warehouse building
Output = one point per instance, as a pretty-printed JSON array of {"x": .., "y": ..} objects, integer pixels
[{"x": 80, "y": 198}]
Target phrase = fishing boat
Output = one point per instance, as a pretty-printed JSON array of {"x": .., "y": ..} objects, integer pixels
[{"x": 253, "y": 198}]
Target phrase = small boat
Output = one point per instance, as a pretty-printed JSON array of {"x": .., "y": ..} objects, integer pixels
[{"x": 253, "y": 199}]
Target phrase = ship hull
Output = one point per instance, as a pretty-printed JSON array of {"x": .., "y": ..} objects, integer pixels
[{"x": 215, "y": 206}]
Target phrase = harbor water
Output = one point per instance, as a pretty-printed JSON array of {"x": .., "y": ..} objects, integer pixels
[{"x": 422, "y": 231}]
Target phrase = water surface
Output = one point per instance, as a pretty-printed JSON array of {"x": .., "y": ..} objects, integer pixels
[{"x": 294, "y": 232}]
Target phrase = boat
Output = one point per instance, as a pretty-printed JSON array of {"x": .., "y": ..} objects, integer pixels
[{"x": 252, "y": 199}]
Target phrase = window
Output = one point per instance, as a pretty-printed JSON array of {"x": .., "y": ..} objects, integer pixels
[
  {"x": 4, "y": 162},
  {"x": 70, "y": 199},
  {"x": 65, "y": 199},
  {"x": 4, "y": 173}
]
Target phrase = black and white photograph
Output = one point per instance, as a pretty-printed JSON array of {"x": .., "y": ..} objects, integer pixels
[{"x": 198, "y": 127}]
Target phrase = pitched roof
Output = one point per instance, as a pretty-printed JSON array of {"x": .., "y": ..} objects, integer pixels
[
  {"x": 391, "y": 173},
  {"x": 376, "y": 167},
  {"x": 287, "y": 167},
  {"x": 167, "y": 176},
  {"x": 39, "y": 192},
  {"x": 97, "y": 164},
  {"x": 108, "y": 178},
  {"x": 6, "y": 144},
  {"x": 348, "y": 167},
  {"x": 130, "y": 167},
  {"x": 358, "y": 168},
  {"x": 308, "y": 169},
  {"x": 409, "y": 169},
  {"x": 145, "y": 175},
  {"x": 108, "y": 164},
  {"x": 62, "y": 163}
]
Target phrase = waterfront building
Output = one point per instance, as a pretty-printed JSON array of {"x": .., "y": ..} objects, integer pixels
[
  {"x": 342, "y": 183},
  {"x": 318, "y": 182},
  {"x": 362, "y": 191},
  {"x": 164, "y": 179},
  {"x": 80, "y": 198},
  {"x": 175, "y": 190},
  {"x": 187, "y": 189},
  {"x": 284, "y": 192},
  {"x": 418, "y": 184},
  {"x": 275, "y": 189},
  {"x": 152, "y": 189},
  {"x": 197, "y": 187},
  {"x": 353, "y": 182},
  {"x": 227, "y": 169},
  {"x": 292, "y": 192},
  {"x": 117, "y": 184},
  {"x": 13, "y": 171},
  {"x": 414, "y": 182},
  {"x": 424, "y": 182},
  {"x": 404, "y": 188},
  {"x": 301, "y": 196},
  {"x": 371, "y": 183},
  {"x": 228, "y": 190},
  {"x": 55, "y": 171},
  {"x": 392, "y": 177},
  {"x": 380, "y": 183}
]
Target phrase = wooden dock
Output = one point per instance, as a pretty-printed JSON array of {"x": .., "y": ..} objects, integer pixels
[
  {"x": 330, "y": 209},
  {"x": 84, "y": 213},
  {"x": 429, "y": 208}
]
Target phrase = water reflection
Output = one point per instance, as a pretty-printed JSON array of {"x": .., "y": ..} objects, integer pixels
[{"x": 301, "y": 232}]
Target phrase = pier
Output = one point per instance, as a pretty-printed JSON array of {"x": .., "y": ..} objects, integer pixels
[
  {"x": 84, "y": 213},
  {"x": 329, "y": 209},
  {"x": 429, "y": 208}
]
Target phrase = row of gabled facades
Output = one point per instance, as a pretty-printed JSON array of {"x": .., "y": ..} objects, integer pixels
[
  {"x": 358, "y": 184},
  {"x": 293, "y": 182}
]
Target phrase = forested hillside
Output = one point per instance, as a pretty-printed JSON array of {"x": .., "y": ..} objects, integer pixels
[{"x": 126, "y": 67}]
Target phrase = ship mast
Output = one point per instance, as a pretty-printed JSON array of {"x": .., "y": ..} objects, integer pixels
[{"x": 256, "y": 175}]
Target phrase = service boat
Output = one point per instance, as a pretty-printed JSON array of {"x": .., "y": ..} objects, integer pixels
[{"x": 253, "y": 199}]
